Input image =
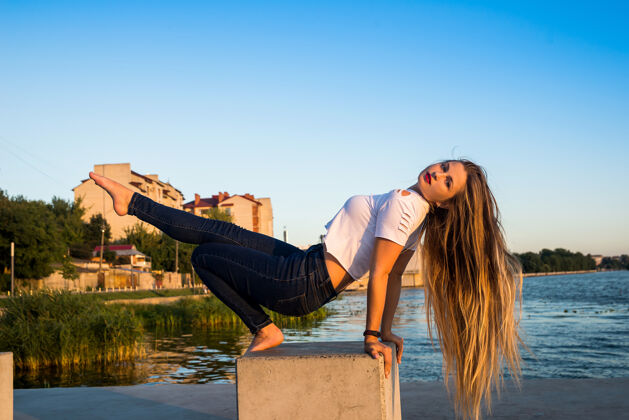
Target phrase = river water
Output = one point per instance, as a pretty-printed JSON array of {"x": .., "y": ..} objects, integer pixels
[{"x": 577, "y": 326}]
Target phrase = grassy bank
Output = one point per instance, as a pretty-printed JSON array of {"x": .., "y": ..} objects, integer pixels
[
  {"x": 130, "y": 294},
  {"x": 64, "y": 330},
  {"x": 210, "y": 312},
  {"x": 61, "y": 329},
  {"x": 144, "y": 294}
]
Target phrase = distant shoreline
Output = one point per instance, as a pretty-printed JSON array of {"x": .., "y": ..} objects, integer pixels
[{"x": 559, "y": 273}]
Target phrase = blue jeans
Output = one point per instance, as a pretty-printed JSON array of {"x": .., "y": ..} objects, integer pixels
[{"x": 245, "y": 269}]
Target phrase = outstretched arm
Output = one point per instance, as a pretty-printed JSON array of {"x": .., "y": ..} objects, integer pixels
[
  {"x": 383, "y": 259},
  {"x": 394, "y": 287},
  {"x": 393, "y": 290}
]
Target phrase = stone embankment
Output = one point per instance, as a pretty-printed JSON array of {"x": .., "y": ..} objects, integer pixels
[
  {"x": 155, "y": 300},
  {"x": 111, "y": 278},
  {"x": 558, "y": 273},
  {"x": 574, "y": 399}
]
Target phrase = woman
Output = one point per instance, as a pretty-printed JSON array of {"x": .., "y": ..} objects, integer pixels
[{"x": 471, "y": 281}]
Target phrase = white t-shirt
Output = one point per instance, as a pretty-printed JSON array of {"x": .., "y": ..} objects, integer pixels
[{"x": 352, "y": 233}]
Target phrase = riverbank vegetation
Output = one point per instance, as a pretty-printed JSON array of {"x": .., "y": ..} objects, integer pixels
[
  {"x": 210, "y": 312},
  {"x": 67, "y": 330},
  {"x": 152, "y": 293},
  {"x": 130, "y": 294},
  {"x": 61, "y": 329},
  {"x": 547, "y": 261},
  {"x": 615, "y": 263}
]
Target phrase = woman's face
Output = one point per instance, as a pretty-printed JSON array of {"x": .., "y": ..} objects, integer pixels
[{"x": 442, "y": 181}]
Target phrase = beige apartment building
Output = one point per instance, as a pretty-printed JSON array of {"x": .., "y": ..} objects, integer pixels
[
  {"x": 96, "y": 200},
  {"x": 255, "y": 214}
]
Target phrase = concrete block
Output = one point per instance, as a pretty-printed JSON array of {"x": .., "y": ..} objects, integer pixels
[
  {"x": 6, "y": 386},
  {"x": 308, "y": 381}
]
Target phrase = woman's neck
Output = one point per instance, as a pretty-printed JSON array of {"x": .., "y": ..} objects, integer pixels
[{"x": 415, "y": 187}]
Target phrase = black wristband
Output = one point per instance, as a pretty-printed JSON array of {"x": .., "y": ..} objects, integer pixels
[{"x": 371, "y": 332}]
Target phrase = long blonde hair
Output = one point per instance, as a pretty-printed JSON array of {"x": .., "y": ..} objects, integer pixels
[{"x": 471, "y": 286}]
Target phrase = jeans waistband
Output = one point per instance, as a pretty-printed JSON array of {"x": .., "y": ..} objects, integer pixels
[{"x": 322, "y": 284}]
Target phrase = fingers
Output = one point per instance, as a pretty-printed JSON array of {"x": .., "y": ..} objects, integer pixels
[
  {"x": 386, "y": 351},
  {"x": 373, "y": 350},
  {"x": 387, "y": 361},
  {"x": 399, "y": 345}
]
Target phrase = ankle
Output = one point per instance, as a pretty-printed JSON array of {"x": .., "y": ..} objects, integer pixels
[{"x": 268, "y": 330}]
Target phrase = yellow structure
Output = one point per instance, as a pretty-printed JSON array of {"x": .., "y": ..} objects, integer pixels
[
  {"x": 255, "y": 214},
  {"x": 96, "y": 200}
]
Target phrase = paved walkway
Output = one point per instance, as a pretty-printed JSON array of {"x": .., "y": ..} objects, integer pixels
[{"x": 538, "y": 399}]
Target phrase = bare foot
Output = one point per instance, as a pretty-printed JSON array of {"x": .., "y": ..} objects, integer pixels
[
  {"x": 118, "y": 192},
  {"x": 268, "y": 337}
]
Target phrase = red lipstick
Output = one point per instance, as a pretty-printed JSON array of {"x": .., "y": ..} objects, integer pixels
[{"x": 428, "y": 178}]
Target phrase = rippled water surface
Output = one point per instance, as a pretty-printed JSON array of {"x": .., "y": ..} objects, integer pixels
[{"x": 576, "y": 325}]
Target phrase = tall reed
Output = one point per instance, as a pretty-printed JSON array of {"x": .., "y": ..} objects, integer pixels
[
  {"x": 210, "y": 312},
  {"x": 67, "y": 330},
  {"x": 61, "y": 329}
]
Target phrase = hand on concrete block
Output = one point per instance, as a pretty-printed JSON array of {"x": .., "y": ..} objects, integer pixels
[
  {"x": 374, "y": 347},
  {"x": 397, "y": 340}
]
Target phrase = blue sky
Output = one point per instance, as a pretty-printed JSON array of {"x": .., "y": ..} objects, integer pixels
[{"x": 310, "y": 103}]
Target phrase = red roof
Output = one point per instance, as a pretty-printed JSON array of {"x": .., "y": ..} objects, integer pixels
[
  {"x": 248, "y": 197},
  {"x": 215, "y": 200},
  {"x": 204, "y": 202}
]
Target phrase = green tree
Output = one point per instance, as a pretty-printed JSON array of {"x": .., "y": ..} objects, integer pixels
[
  {"x": 560, "y": 259},
  {"x": 531, "y": 262},
  {"x": 68, "y": 270},
  {"x": 5, "y": 282},
  {"x": 167, "y": 257},
  {"x": 69, "y": 219},
  {"x": 612, "y": 263},
  {"x": 91, "y": 237},
  {"x": 217, "y": 214},
  {"x": 39, "y": 241},
  {"x": 93, "y": 229},
  {"x": 139, "y": 236},
  {"x": 69, "y": 216}
]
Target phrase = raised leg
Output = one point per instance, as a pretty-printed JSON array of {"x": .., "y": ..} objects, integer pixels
[
  {"x": 186, "y": 227},
  {"x": 240, "y": 267}
]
